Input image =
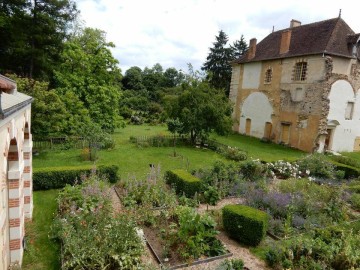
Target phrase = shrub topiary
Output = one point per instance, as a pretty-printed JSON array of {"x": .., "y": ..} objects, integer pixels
[
  {"x": 183, "y": 182},
  {"x": 58, "y": 177},
  {"x": 245, "y": 224}
]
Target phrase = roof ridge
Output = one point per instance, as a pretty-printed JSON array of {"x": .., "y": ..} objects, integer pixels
[
  {"x": 332, "y": 31},
  {"x": 304, "y": 25}
]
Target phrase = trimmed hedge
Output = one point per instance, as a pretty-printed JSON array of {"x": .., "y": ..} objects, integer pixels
[
  {"x": 58, "y": 177},
  {"x": 350, "y": 172},
  {"x": 245, "y": 224},
  {"x": 183, "y": 182}
]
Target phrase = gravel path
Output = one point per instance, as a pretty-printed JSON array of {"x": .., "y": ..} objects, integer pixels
[{"x": 251, "y": 262}]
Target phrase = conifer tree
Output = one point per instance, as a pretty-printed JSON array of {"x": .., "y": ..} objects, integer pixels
[{"x": 217, "y": 63}]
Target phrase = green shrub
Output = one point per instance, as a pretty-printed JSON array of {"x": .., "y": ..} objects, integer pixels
[
  {"x": 245, "y": 224},
  {"x": 350, "y": 172},
  {"x": 318, "y": 165},
  {"x": 233, "y": 264},
  {"x": 58, "y": 177},
  {"x": 354, "y": 188},
  {"x": 355, "y": 201},
  {"x": 252, "y": 170},
  {"x": 347, "y": 161},
  {"x": 183, "y": 182}
]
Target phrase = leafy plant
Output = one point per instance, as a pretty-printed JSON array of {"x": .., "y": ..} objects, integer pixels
[
  {"x": 232, "y": 264},
  {"x": 211, "y": 195}
]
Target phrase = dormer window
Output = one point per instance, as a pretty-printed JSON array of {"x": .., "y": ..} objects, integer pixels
[
  {"x": 300, "y": 71},
  {"x": 268, "y": 75}
]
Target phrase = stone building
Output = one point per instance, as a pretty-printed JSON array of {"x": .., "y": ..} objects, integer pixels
[
  {"x": 300, "y": 87},
  {"x": 15, "y": 171}
]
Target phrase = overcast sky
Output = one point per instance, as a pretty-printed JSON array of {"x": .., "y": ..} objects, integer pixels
[{"x": 174, "y": 33}]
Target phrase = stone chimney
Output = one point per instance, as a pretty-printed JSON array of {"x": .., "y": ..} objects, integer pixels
[
  {"x": 285, "y": 41},
  {"x": 252, "y": 49},
  {"x": 294, "y": 23}
]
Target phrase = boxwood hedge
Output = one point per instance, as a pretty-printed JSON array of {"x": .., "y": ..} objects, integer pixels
[
  {"x": 58, "y": 177},
  {"x": 245, "y": 224},
  {"x": 183, "y": 182}
]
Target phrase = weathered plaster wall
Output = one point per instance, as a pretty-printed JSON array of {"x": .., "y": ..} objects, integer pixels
[
  {"x": 251, "y": 76},
  {"x": 304, "y": 104},
  {"x": 258, "y": 109},
  {"x": 345, "y": 133},
  {"x": 315, "y": 69}
]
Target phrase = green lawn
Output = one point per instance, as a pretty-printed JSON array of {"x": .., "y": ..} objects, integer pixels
[
  {"x": 260, "y": 150},
  {"x": 41, "y": 253},
  {"x": 133, "y": 160}
]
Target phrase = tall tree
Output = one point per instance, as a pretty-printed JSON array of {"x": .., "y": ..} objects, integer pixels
[
  {"x": 33, "y": 34},
  {"x": 133, "y": 79},
  {"x": 217, "y": 64},
  {"x": 239, "y": 47},
  {"x": 90, "y": 71},
  {"x": 201, "y": 109}
]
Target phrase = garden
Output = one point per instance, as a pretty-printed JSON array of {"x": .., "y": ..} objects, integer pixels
[{"x": 298, "y": 213}]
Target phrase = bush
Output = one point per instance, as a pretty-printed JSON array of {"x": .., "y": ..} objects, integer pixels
[
  {"x": 355, "y": 201},
  {"x": 350, "y": 172},
  {"x": 245, "y": 224},
  {"x": 233, "y": 264},
  {"x": 58, "y": 177},
  {"x": 318, "y": 166},
  {"x": 184, "y": 182},
  {"x": 252, "y": 170}
]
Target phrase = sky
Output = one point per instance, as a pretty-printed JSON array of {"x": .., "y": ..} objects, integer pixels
[{"x": 174, "y": 33}]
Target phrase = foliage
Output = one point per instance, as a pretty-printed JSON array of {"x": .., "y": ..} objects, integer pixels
[
  {"x": 330, "y": 248},
  {"x": 183, "y": 182},
  {"x": 245, "y": 224},
  {"x": 217, "y": 63},
  {"x": 196, "y": 234},
  {"x": 355, "y": 201},
  {"x": 91, "y": 237},
  {"x": 225, "y": 177},
  {"x": 239, "y": 47},
  {"x": 49, "y": 116},
  {"x": 253, "y": 170},
  {"x": 211, "y": 195},
  {"x": 232, "y": 264},
  {"x": 50, "y": 178},
  {"x": 151, "y": 192},
  {"x": 201, "y": 109},
  {"x": 232, "y": 153},
  {"x": 318, "y": 166},
  {"x": 89, "y": 70},
  {"x": 32, "y": 35}
]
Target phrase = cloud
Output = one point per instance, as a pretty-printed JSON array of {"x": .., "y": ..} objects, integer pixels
[{"x": 174, "y": 33}]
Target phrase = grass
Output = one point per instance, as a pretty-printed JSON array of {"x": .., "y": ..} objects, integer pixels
[
  {"x": 41, "y": 253},
  {"x": 260, "y": 150},
  {"x": 135, "y": 161},
  {"x": 132, "y": 160}
]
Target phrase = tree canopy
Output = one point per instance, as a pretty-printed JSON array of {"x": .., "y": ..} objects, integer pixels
[
  {"x": 32, "y": 34},
  {"x": 217, "y": 64},
  {"x": 89, "y": 71},
  {"x": 201, "y": 109}
]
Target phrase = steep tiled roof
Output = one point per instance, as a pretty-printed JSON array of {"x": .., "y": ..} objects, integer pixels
[{"x": 329, "y": 36}]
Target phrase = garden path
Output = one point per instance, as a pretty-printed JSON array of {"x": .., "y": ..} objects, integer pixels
[{"x": 250, "y": 260}]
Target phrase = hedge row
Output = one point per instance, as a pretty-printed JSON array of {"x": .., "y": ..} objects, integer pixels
[
  {"x": 245, "y": 224},
  {"x": 183, "y": 182},
  {"x": 58, "y": 177}
]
